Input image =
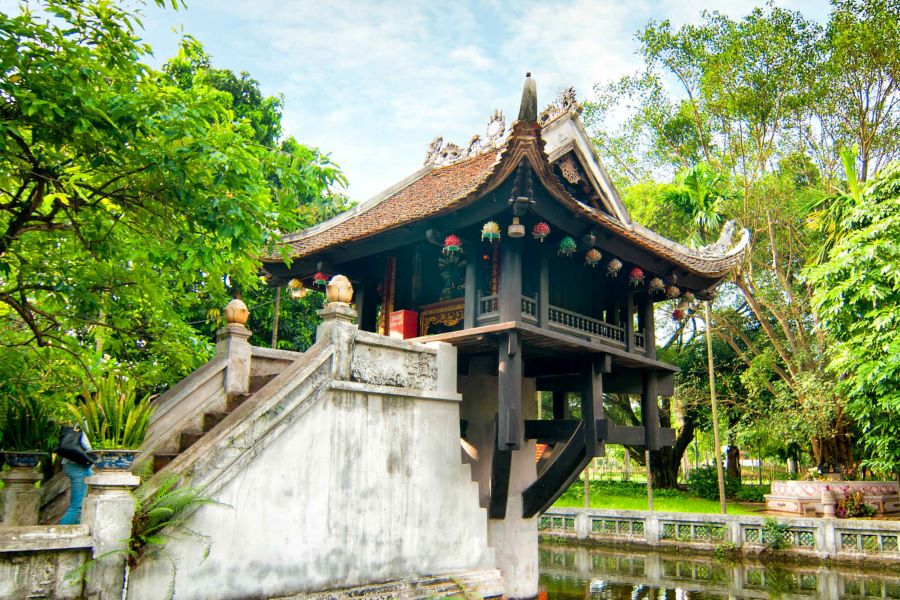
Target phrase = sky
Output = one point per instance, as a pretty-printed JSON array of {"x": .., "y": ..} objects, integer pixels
[{"x": 371, "y": 83}]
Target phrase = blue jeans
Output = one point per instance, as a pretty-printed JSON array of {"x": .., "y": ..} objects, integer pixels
[{"x": 76, "y": 474}]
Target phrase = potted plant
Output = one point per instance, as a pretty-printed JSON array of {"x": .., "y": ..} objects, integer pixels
[
  {"x": 114, "y": 421},
  {"x": 27, "y": 431}
]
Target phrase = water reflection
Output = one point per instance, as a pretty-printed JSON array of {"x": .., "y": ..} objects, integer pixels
[{"x": 569, "y": 572}]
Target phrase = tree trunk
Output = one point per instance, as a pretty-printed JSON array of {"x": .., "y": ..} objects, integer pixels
[
  {"x": 835, "y": 452},
  {"x": 733, "y": 462}
]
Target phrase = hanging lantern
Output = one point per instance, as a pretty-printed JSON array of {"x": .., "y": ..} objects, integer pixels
[
  {"x": 320, "y": 279},
  {"x": 540, "y": 231},
  {"x": 452, "y": 244},
  {"x": 672, "y": 291},
  {"x": 636, "y": 276},
  {"x": 490, "y": 231},
  {"x": 592, "y": 257},
  {"x": 688, "y": 297},
  {"x": 567, "y": 246},
  {"x": 613, "y": 268},
  {"x": 295, "y": 284},
  {"x": 683, "y": 305},
  {"x": 657, "y": 285},
  {"x": 297, "y": 289},
  {"x": 678, "y": 314},
  {"x": 516, "y": 230}
]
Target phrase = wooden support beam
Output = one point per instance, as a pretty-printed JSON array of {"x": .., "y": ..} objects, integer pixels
[
  {"x": 510, "y": 292},
  {"x": 559, "y": 404},
  {"x": 501, "y": 465},
  {"x": 470, "y": 303},
  {"x": 509, "y": 393},
  {"x": 544, "y": 292},
  {"x": 650, "y": 410},
  {"x": 550, "y": 432},
  {"x": 592, "y": 402},
  {"x": 569, "y": 461}
]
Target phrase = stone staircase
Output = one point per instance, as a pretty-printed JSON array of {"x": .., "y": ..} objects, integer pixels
[
  {"x": 189, "y": 437},
  {"x": 474, "y": 584}
]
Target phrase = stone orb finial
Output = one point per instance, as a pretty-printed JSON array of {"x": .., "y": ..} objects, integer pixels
[
  {"x": 236, "y": 312},
  {"x": 339, "y": 289}
]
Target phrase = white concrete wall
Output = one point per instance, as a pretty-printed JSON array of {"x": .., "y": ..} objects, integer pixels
[{"x": 366, "y": 485}]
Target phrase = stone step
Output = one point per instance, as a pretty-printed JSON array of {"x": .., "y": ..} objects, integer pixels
[
  {"x": 189, "y": 438},
  {"x": 211, "y": 419},
  {"x": 161, "y": 460},
  {"x": 258, "y": 381},
  {"x": 235, "y": 400}
]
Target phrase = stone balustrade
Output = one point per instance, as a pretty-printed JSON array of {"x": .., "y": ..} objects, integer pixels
[{"x": 851, "y": 539}]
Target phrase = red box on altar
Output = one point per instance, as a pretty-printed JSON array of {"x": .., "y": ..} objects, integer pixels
[{"x": 404, "y": 324}]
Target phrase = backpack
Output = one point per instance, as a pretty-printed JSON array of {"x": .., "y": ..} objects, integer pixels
[{"x": 70, "y": 446}]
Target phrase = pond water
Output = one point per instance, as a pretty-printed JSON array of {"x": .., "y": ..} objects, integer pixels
[{"x": 569, "y": 572}]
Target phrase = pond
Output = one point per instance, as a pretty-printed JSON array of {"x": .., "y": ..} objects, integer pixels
[{"x": 569, "y": 572}]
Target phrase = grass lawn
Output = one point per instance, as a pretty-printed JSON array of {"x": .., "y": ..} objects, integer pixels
[{"x": 633, "y": 496}]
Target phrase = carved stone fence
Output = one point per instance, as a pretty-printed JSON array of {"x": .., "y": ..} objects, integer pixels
[{"x": 849, "y": 539}]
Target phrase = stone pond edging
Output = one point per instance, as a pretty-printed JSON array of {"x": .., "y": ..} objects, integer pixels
[{"x": 822, "y": 538}]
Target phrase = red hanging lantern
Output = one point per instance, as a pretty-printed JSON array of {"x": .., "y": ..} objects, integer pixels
[
  {"x": 678, "y": 314},
  {"x": 636, "y": 276},
  {"x": 320, "y": 279},
  {"x": 452, "y": 244},
  {"x": 540, "y": 231}
]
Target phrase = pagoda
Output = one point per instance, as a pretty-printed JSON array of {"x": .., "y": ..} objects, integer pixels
[{"x": 519, "y": 251}]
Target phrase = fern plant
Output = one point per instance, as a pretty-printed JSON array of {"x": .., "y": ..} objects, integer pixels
[
  {"x": 26, "y": 425},
  {"x": 112, "y": 416}
]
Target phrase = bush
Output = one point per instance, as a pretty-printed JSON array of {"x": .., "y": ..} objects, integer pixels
[
  {"x": 752, "y": 493},
  {"x": 776, "y": 535},
  {"x": 704, "y": 482}
]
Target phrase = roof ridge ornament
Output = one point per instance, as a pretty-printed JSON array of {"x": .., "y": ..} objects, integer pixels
[
  {"x": 528, "y": 107},
  {"x": 721, "y": 245},
  {"x": 441, "y": 153},
  {"x": 566, "y": 101}
]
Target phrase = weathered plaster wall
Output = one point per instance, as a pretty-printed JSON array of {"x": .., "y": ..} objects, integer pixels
[
  {"x": 34, "y": 561},
  {"x": 366, "y": 485}
]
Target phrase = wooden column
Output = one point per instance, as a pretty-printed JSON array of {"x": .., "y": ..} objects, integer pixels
[
  {"x": 559, "y": 404},
  {"x": 509, "y": 393},
  {"x": 367, "y": 305},
  {"x": 510, "y": 291},
  {"x": 544, "y": 292},
  {"x": 649, "y": 326},
  {"x": 629, "y": 322},
  {"x": 592, "y": 401},
  {"x": 650, "y": 409},
  {"x": 470, "y": 306}
]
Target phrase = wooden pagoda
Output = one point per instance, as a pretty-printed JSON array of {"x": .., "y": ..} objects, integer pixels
[{"x": 518, "y": 250}]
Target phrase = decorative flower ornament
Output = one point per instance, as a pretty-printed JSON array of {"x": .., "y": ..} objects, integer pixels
[
  {"x": 452, "y": 244},
  {"x": 567, "y": 246},
  {"x": 320, "y": 279},
  {"x": 636, "y": 276},
  {"x": 683, "y": 305},
  {"x": 657, "y": 285},
  {"x": 295, "y": 284},
  {"x": 490, "y": 231},
  {"x": 672, "y": 291},
  {"x": 613, "y": 268},
  {"x": 540, "y": 231},
  {"x": 592, "y": 257},
  {"x": 688, "y": 297},
  {"x": 678, "y": 314}
]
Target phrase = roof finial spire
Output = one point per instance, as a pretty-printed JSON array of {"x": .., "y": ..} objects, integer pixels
[{"x": 528, "y": 109}]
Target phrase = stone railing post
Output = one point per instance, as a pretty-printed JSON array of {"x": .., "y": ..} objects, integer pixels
[
  {"x": 337, "y": 325},
  {"x": 582, "y": 525},
  {"x": 108, "y": 511},
  {"x": 21, "y": 500},
  {"x": 233, "y": 342},
  {"x": 651, "y": 529}
]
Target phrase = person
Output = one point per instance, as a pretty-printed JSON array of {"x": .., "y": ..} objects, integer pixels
[{"x": 77, "y": 473}]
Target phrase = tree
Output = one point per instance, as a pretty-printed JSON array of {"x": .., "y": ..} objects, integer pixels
[
  {"x": 857, "y": 299},
  {"x": 127, "y": 202}
]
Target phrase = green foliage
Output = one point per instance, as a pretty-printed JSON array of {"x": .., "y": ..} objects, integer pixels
[
  {"x": 775, "y": 534},
  {"x": 704, "y": 482},
  {"x": 112, "y": 416},
  {"x": 699, "y": 197},
  {"x": 752, "y": 493},
  {"x": 857, "y": 296},
  {"x": 26, "y": 425},
  {"x": 853, "y": 505},
  {"x": 133, "y": 201}
]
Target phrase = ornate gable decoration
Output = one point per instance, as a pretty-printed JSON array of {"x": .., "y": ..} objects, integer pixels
[
  {"x": 441, "y": 153},
  {"x": 564, "y": 103}
]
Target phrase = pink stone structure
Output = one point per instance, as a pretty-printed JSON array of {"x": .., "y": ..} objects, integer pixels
[{"x": 805, "y": 497}]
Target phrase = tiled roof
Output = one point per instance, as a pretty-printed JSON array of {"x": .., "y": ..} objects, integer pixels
[
  {"x": 443, "y": 189},
  {"x": 437, "y": 191}
]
